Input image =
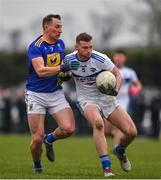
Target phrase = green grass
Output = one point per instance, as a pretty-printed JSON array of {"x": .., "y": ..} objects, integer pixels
[{"x": 76, "y": 157}]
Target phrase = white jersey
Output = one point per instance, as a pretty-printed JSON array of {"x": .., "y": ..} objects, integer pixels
[
  {"x": 128, "y": 77},
  {"x": 85, "y": 76}
]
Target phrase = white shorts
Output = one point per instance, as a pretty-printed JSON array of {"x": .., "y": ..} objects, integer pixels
[
  {"x": 106, "y": 104},
  {"x": 39, "y": 103},
  {"x": 124, "y": 101}
]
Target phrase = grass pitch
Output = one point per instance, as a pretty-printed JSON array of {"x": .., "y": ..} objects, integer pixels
[{"x": 76, "y": 158}]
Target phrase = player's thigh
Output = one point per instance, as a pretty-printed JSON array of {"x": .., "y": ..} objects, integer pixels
[
  {"x": 92, "y": 114},
  {"x": 122, "y": 120},
  {"x": 108, "y": 127},
  {"x": 64, "y": 118},
  {"x": 36, "y": 124}
]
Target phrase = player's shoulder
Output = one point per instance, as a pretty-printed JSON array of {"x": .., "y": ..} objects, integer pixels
[
  {"x": 71, "y": 56},
  {"x": 129, "y": 69},
  {"x": 98, "y": 56},
  {"x": 36, "y": 43},
  {"x": 60, "y": 43}
]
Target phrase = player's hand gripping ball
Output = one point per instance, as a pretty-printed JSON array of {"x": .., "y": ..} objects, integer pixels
[
  {"x": 65, "y": 76},
  {"x": 106, "y": 82}
]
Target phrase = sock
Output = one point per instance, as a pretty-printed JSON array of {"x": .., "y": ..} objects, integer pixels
[
  {"x": 50, "y": 138},
  {"x": 120, "y": 149},
  {"x": 37, "y": 165},
  {"x": 105, "y": 162}
]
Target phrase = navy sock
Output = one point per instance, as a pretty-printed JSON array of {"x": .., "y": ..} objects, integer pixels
[
  {"x": 37, "y": 165},
  {"x": 120, "y": 149},
  {"x": 105, "y": 162},
  {"x": 50, "y": 138}
]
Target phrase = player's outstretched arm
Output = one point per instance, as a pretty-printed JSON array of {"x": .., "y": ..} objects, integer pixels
[{"x": 69, "y": 65}]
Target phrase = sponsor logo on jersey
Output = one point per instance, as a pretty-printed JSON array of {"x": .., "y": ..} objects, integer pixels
[
  {"x": 53, "y": 60},
  {"x": 86, "y": 80},
  {"x": 59, "y": 46},
  {"x": 93, "y": 69}
]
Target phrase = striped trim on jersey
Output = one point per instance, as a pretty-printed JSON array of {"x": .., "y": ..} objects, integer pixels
[
  {"x": 98, "y": 57},
  {"x": 71, "y": 57},
  {"x": 38, "y": 42}
]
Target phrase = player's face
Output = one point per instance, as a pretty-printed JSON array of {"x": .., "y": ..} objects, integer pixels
[
  {"x": 54, "y": 29},
  {"x": 119, "y": 59},
  {"x": 84, "y": 49}
]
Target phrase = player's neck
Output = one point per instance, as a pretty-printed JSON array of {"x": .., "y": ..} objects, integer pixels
[
  {"x": 48, "y": 40},
  {"x": 82, "y": 58}
]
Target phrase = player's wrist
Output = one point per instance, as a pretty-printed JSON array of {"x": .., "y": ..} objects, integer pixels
[{"x": 64, "y": 67}]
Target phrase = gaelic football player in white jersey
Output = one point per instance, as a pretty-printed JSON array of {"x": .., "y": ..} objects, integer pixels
[
  {"x": 98, "y": 107},
  {"x": 129, "y": 80}
]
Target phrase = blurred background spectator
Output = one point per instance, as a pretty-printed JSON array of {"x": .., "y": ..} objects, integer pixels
[{"x": 6, "y": 105}]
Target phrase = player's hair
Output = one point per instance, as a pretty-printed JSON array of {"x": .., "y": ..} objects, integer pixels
[
  {"x": 47, "y": 19},
  {"x": 120, "y": 51},
  {"x": 83, "y": 37}
]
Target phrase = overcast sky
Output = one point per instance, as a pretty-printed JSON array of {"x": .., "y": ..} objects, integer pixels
[{"x": 27, "y": 15}]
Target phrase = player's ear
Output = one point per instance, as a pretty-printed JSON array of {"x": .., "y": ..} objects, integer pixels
[{"x": 45, "y": 28}]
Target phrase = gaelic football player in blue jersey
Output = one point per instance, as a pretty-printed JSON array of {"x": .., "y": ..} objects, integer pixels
[
  {"x": 98, "y": 107},
  {"x": 43, "y": 92}
]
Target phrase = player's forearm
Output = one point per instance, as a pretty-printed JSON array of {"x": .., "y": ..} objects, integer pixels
[
  {"x": 138, "y": 85},
  {"x": 118, "y": 82},
  {"x": 117, "y": 74},
  {"x": 48, "y": 71}
]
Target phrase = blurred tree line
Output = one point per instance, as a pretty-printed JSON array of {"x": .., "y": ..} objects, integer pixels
[
  {"x": 146, "y": 62},
  {"x": 13, "y": 68}
]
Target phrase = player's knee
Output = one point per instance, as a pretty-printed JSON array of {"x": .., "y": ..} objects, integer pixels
[
  {"x": 132, "y": 132},
  {"x": 69, "y": 130},
  {"x": 99, "y": 124},
  {"x": 37, "y": 138}
]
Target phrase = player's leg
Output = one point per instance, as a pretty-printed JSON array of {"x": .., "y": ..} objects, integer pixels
[
  {"x": 36, "y": 115},
  {"x": 92, "y": 114},
  {"x": 36, "y": 125},
  {"x": 62, "y": 113},
  {"x": 113, "y": 131},
  {"x": 123, "y": 121},
  {"x": 66, "y": 126},
  {"x": 66, "y": 123}
]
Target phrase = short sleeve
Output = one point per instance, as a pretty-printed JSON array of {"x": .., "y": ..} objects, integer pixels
[
  {"x": 134, "y": 76},
  {"x": 34, "y": 52},
  {"x": 66, "y": 59},
  {"x": 107, "y": 64}
]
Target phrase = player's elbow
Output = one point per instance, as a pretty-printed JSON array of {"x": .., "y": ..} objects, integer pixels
[
  {"x": 41, "y": 75},
  {"x": 40, "y": 72}
]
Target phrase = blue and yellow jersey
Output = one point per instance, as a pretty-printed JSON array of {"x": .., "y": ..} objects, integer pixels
[{"x": 52, "y": 55}]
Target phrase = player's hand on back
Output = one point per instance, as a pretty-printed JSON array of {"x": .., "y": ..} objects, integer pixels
[{"x": 70, "y": 65}]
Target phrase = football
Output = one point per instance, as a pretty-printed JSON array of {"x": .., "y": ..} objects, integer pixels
[{"x": 105, "y": 81}]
